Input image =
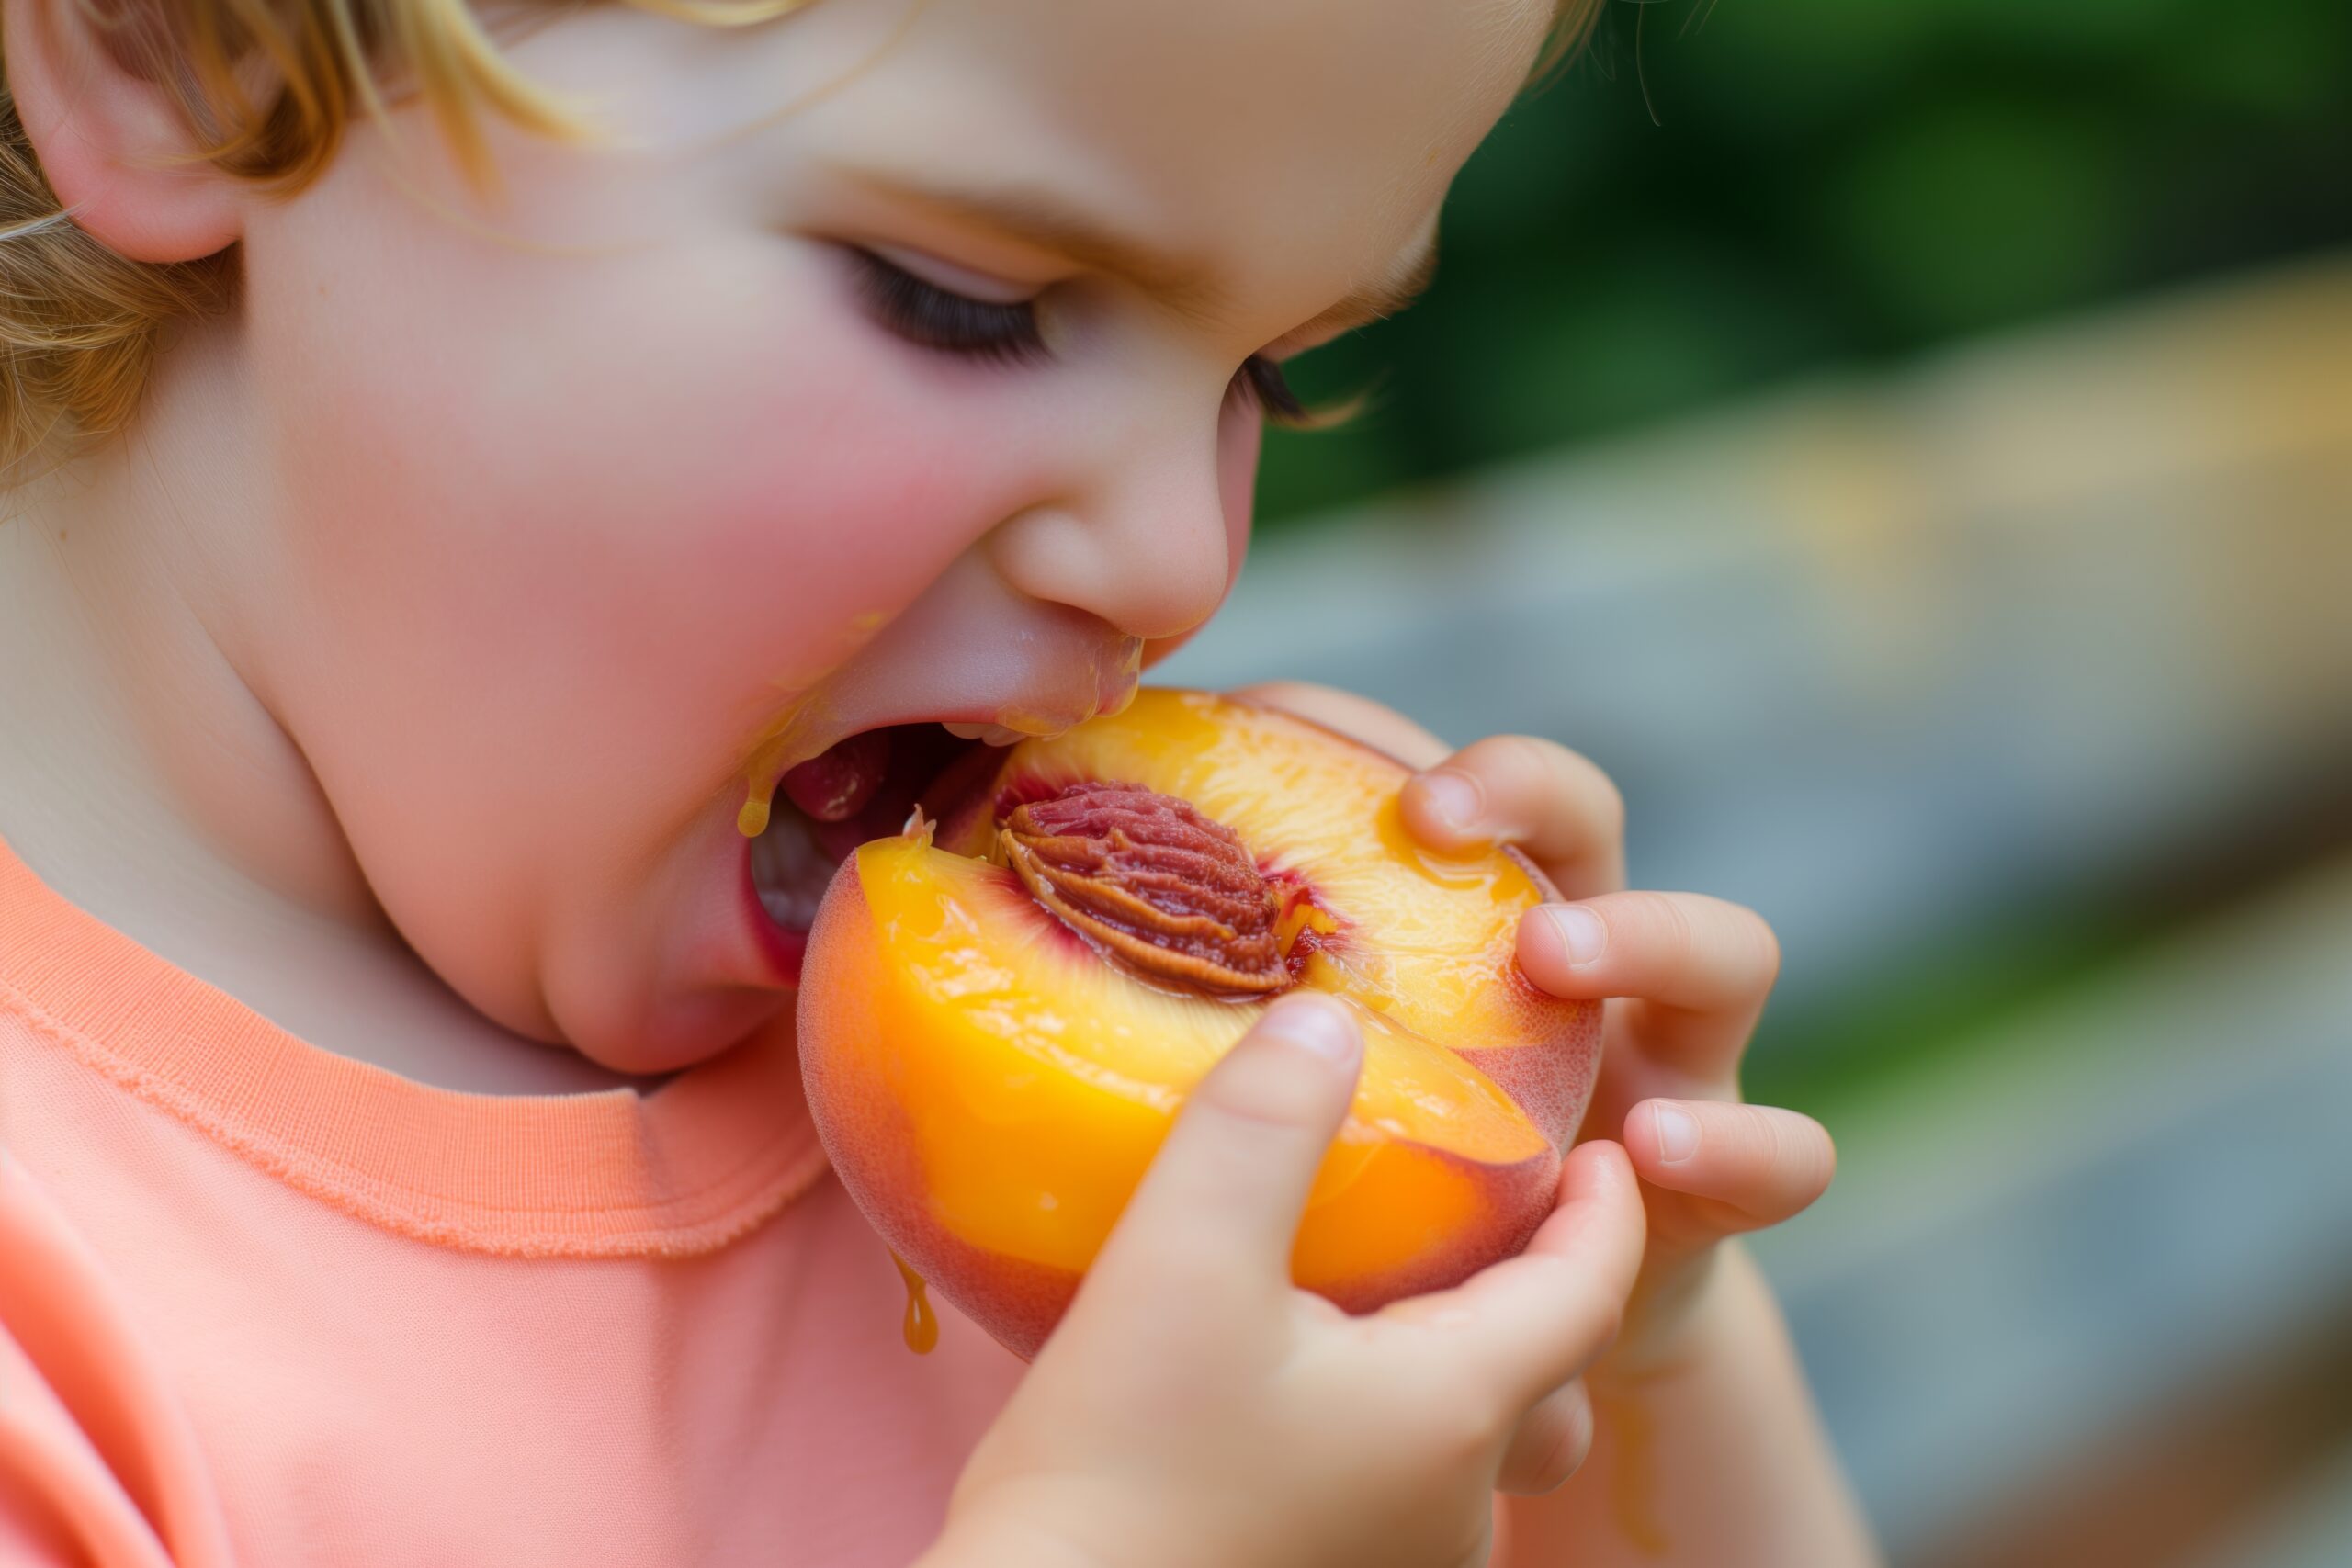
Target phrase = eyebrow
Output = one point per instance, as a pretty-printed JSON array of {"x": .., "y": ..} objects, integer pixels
[{"x": 1039, "y": 220}]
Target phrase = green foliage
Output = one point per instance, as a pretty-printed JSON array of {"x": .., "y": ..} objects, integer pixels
[
  {"x": 1940, "y": 1003},
  {"x": 1830, "y": 182}
]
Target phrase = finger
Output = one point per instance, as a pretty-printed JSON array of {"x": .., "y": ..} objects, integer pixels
[
  {"x": 1223, "y": 1197},
  {"x": 1531, "y": 1323},
  {"x": 1360, "y": 718},
  {"x": 1752, "y": 1165},
  {"x": 1556, "y": 806},
  {"x": 1551, "y": 1444},
  {"x": 1700, "y": 968}
]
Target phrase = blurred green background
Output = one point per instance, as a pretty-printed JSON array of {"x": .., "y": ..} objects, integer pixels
[
  {"x": 1909, "y": 446},
  {"x": 1718, "y": 196},
  {"x": 1828, "y": 182}
]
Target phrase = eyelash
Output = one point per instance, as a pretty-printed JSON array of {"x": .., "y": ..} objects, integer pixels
[{"x": 986, "y": 330}]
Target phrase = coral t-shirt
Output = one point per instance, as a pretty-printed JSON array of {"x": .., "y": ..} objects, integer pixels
[{"x": 265, "y": 1305}]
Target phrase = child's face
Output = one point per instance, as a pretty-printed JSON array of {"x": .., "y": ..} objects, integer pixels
[{"x": 559, "y": 535}]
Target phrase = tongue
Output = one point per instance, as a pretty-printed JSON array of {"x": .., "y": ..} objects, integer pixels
[
  {"x": 864, "y": 787},
  {"x": 835, "y": 784}
]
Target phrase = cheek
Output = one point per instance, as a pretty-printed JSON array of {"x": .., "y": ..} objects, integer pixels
[
  {"x": 705, "y": 462},
  {"x": 702, "y": 480},
  {"x": 557, "y": 536}
]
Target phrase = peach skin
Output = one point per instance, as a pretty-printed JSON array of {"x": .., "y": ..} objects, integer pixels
[{"x": 1002, "y": 1011}]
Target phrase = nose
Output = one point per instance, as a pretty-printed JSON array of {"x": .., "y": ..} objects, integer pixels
[{"x": 1149, "y": 544}]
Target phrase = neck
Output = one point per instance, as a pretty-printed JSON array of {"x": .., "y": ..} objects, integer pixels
[{"x": 142, "y": 773}]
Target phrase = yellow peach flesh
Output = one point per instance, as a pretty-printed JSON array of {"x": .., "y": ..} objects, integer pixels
[
  {"x": 1026, "y": 1082},
  {"x": 1039, "y": 1080}
]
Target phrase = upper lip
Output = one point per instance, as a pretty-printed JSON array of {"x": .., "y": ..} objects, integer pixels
[
  {"x": 1042, "y": 710},
  {"x": 1037, "y": 718}
]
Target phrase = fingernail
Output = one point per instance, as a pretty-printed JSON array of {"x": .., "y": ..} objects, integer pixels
[
  {"x": 1317, "y": 1028},
  {"x": 1580, "y": 930},
  {"x": 1677, "y": 1133},
  {"x": 1458, "y": 799}
]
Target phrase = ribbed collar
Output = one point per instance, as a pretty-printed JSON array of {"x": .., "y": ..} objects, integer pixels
[{"x": 683, "y": 1170}]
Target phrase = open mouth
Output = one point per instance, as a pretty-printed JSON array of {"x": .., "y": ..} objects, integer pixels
[{"x": 861, "y": 788}]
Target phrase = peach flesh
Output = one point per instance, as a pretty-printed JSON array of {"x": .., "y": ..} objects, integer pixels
[{"x": 990, "y": 1083}]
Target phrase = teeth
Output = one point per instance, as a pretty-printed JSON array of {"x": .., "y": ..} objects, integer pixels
[
  {"x": 790, "y": 872},
  {"x": 991, "y": 734}
]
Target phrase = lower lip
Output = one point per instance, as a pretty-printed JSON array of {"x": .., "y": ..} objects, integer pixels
[{"x": 783, "y": 950}]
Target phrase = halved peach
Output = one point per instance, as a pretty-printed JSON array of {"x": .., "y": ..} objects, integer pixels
[{"x": 1001, "y": 1016}]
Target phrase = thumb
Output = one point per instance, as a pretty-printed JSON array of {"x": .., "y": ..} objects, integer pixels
[{"x": 1223, "y": 1198}]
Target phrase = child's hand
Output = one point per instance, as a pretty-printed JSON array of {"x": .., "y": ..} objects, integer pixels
[
  {"x": 1193, "y": 1408},
  {"x": 1692, "y": 973}
]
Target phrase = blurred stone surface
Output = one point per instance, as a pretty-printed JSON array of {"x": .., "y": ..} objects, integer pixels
[
  {"x": 1903, "y": 661},
  {"x": 2315, "y": 1530},
  {"x": 1889, "y": 658},
  {"x": 2045, "y": 1242}
]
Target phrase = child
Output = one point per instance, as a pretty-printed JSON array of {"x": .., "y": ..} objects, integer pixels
[{"x": 538, "y": 446}]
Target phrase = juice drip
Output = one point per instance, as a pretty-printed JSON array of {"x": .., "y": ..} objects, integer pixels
[
  {"x": 921, "y": 1327},
  {"x": 752, "y": 819},
  {"x": 761, "y": 771},
  {"x": 763, "y": 763}
]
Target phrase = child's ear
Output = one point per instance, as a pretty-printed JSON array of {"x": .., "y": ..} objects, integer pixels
[{"x": 112, "y": 140}]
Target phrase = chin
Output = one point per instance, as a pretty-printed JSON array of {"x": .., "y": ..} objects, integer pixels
[{"x": 669, "y": 1036}]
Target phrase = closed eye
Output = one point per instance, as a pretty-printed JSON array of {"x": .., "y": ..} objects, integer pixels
[
  {"x": 925, "y": 314},
  {"x": 1261, "y": 382},
  {"x": 1005, "y": 332}
]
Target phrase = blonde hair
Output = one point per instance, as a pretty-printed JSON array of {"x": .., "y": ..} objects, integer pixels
[{"x": 79, "y": 323}]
